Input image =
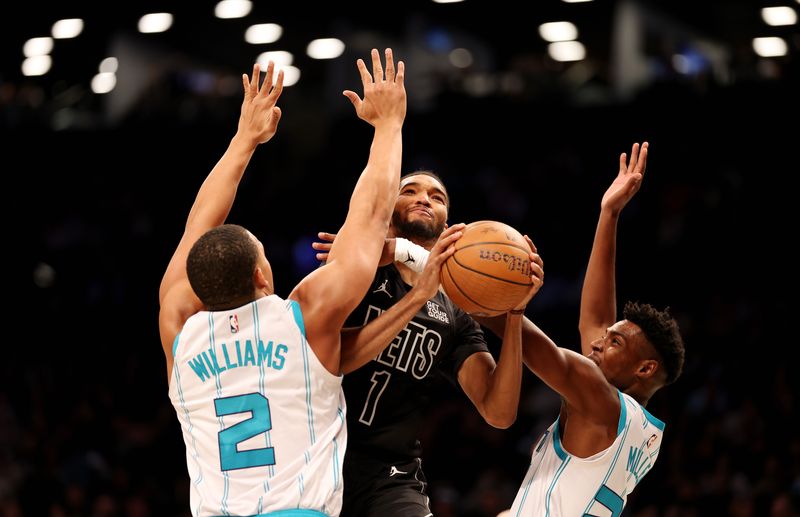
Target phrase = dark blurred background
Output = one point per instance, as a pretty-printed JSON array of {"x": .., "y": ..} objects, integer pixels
[{"x": 98, "y": 183}]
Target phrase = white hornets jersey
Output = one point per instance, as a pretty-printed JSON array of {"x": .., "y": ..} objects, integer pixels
[
  {"x": 560, "y": 484},
  {"x": 262, "y": 419}
]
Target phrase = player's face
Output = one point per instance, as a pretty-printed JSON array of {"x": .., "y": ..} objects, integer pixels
[
  {"x": 421, "y": 208},
  {"x": 620, "y": 353}
]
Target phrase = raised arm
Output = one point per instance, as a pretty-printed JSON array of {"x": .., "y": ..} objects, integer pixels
[
  {"x": 599, "y": 297},
  {"x": 329, "y": 294},
  {"x": 362, "y": 344},
  {"x": 258, "y": 122}
]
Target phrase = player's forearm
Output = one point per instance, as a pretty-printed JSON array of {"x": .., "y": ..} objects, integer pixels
[
  {"x": 599, "y": 297},
  {"x": 361, "y": 345},
  {"x": 377, "y": 187},
  {"x": 502, "y": 398},
  {"x": 216, "y": 195}
]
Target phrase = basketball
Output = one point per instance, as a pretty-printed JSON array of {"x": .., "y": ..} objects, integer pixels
[{"x": 490, "y": 271}]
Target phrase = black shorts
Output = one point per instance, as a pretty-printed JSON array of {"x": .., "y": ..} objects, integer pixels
[{"x": 373, "y": 488}]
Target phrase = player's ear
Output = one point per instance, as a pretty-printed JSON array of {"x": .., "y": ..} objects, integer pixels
[
  {"x": 647, "y": 368},
  {"x": 260, "y": 281}
]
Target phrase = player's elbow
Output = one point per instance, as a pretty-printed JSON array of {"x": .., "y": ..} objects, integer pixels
[{"x": 501, "y": 420}]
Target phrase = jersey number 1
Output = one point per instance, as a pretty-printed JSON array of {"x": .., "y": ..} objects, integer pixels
[
  {"x": 230, "y": 457},
  {"x": 379, "y": 381}
]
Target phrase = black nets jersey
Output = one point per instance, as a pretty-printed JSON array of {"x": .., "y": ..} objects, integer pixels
[{"x": 388, "y": 399}]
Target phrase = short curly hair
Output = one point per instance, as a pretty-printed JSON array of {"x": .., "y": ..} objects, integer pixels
[
  {"x": 221, "y": 264},
  {"x": 662, "y": 331}
]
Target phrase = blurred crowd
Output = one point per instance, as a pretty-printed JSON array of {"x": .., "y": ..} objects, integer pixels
[{"x": 86, "y": 428}]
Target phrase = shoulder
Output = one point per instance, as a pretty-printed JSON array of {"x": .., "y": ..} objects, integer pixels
[
  {"x": 178, "y": 305},
  {"x": 638, "y": 413}
]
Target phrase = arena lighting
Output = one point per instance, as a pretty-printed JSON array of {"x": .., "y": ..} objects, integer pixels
[
  {"x": 155, "y": 22},
  {"x": 37, "y": 47},
  {"x": 108, "y": 66},
  {"x": 36, "y": 65},
  {"x": 325, "y": 48},
  {"x": 580, "y": 1},
  {"x": 566, "y": 50},
  {"x": 291, "y": 74},
  {"x": 769, "y": 47},
  {"x": 68, "y": 28},
  {"x": 279, "y": 57},
  {"x": 778, "y": 16},
  {"x": 104, "y": 82},
  {"x": 460, "y": 57},
  {"x": 446, "y": 1},
  {"x": 558, "y": 31},
  {"x": 263, "y": 33},
  {"x": 227, "y": 9}
]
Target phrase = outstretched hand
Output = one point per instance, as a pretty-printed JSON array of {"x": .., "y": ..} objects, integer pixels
[
  {"x": 628, "y": 180},
  {"x": 537, "y": 275},
  {"x": 259, "y": 118},
  {"x": 384, "y": 92}
]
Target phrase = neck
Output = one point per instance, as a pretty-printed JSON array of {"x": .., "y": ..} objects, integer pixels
[
  {"x": 640, "y": 394},
  {"x": 238, "y": 302}
]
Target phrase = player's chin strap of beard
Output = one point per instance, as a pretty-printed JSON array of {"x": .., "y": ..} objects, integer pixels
[{"x": 411, "y": 255}]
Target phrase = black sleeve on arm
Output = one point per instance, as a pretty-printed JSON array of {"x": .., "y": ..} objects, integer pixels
[{"x": 467, "y": 339}]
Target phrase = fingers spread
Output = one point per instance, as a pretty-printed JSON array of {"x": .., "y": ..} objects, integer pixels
[
  {"x": 401, "y": 73},
  {"x": 362, "y": 70},
  {"x": 634, "y": 157},
  {"x": 278, "y": 89},
  {"x": 353, "y": 97},
  {"x": 254, "y": 79},
  {"x": 377, "y": 70},
  {"x": 389, "y": 65},
  {"x": 267, "y": 84},
  {"x": 642, "y": 165}
]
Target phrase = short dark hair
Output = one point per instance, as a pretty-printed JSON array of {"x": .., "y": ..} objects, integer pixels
[
  {"x": 220, "y": 265},
  {"x": 432, "y": 175},
  {"x": 662, "y": 331}
]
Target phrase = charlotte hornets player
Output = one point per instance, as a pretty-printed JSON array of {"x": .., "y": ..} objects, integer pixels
[
  {"x": 254, "y": 378},
  {"x": 604, "y": 440}
]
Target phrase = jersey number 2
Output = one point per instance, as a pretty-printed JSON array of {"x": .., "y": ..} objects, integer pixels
[{"x": 230, "y": 457}]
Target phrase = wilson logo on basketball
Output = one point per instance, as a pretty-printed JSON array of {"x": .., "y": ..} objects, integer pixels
[{"x": 513, "y": 262}]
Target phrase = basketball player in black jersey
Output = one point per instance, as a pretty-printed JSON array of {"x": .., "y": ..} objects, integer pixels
[{"x": 389, "y": 389}]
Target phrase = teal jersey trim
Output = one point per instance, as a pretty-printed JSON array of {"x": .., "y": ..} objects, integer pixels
[
  {"x": 298, "y": 317},
  {"x": 175, "y": 345},
  {"x": 557, "y": 441},
  {"x": 623, "y": 413},
  {"x": 298, "y": 512},
  {"x": 653, "y": 420}
]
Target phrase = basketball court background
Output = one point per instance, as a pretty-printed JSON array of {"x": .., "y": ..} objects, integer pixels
[{"x": 96, "y": 190}]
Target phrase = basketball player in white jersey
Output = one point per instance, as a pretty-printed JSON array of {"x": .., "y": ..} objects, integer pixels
[
  {"x": 604, "y": 441},
  {"x": 254, "y": 378}
]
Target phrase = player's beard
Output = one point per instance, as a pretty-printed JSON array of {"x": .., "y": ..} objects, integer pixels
[{"x": 422, "y": 231}]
